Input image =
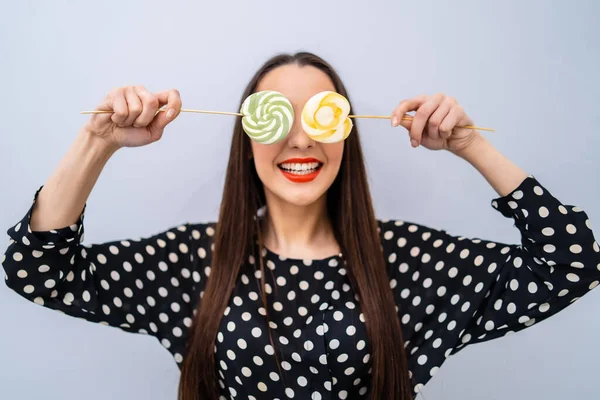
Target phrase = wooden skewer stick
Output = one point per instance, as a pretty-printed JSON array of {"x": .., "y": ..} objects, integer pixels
[
  {"x": 411, "y": 118},
  {"x": 241, "y": 115},
  {"x": 162, "y": 109}
]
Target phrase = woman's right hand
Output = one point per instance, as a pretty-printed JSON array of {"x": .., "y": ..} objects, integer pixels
[{"x": 135, "y": 120}]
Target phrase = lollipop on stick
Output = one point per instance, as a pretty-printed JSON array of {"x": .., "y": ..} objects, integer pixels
[
  {"x": 326, "y": 119},
  {"x": 267, "y": 116}
]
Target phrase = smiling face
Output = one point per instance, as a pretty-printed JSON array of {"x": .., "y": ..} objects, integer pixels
[{"x": 297, "y": 170}]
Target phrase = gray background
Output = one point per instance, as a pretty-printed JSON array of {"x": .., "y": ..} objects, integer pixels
[{"x": 526, "y": 68}]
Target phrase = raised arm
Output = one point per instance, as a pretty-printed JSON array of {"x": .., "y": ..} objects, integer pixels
[
  {"x": 135, "y": 122},
  {"x": 147, "y": 285}
]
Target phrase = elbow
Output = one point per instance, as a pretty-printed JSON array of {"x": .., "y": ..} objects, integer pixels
[{"x": 29, "y": 280}]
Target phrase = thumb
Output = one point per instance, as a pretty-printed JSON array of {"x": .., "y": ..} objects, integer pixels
[{"x": 170, "y": 103}]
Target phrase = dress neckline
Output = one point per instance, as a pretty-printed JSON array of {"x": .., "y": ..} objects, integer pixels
[{"x": 271, "y": 255}]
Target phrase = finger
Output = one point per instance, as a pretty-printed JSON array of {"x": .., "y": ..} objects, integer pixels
[
  {"x": 406, "y": 123},
  {"x": 406, "y": 106},
  {"x": 420, "y": 119},
  {"x": 149, "y": 107},
  {"x": 436, "y": 119},
  {"x": 106, "y": 104},
  {"x": 172, "y": 100},
  {"x": 119, "y": 107},
  {"x": 451, "y": 120},
  {"x": 134, "y": 106}
]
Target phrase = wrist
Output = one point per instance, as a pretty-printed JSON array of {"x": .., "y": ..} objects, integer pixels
[
  {"x": 476, "y": 147},
  {"x": 96, "y": 146}
]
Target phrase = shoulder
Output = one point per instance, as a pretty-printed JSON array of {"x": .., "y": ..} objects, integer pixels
[
  {"x": 201, "y": 229},
  {"x": 401, "y": 235},
  {"x": 201, "y": 233},
  {"x": 389, "y": 227}
]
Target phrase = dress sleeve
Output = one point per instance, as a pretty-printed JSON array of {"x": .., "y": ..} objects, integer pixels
[
  {"x": 145, "y": 285},
  {"x": 452, "y": 291}
]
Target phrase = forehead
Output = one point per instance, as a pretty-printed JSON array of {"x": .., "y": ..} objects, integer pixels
[{"x": 297, "y": 83}]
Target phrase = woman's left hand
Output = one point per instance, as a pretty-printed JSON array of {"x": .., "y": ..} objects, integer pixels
[{"x": 435, "y": 123}]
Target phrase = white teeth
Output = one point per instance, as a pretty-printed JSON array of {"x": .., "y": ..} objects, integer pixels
[
  {"x": 301, "y": 172},
  {"x": 300, "y": 168}
]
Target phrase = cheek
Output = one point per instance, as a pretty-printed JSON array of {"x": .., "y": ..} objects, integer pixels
[
  {"x": 334, "y": 153},
  {"x": 264, "y": 155}
]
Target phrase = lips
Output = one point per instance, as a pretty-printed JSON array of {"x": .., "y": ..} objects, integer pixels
[{"x": 300, "y": 170}]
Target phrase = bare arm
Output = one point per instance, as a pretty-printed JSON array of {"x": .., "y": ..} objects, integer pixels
[
  {"x": 66, "y": 191},
  {"x": 500, "y": 172}
]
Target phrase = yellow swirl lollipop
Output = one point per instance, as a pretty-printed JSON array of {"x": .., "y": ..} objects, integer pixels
[{"x": 325, "y": 117}]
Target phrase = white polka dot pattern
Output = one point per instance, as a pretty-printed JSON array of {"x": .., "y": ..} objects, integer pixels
[{"x": 450, "y": 292}]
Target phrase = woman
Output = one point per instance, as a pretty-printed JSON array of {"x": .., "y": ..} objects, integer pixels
[{"x": 298, "y": 291}]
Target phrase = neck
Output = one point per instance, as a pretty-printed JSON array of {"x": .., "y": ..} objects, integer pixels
[{"x": 302, "y": 232}]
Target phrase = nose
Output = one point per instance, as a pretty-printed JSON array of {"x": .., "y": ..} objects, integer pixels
[{"x": 297, "y": 138}]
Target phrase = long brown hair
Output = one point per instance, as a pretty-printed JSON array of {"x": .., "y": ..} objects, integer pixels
[{"x": 355, "y": 228}]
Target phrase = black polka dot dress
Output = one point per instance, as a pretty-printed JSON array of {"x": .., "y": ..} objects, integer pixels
[{"x": 450, "y": 292}]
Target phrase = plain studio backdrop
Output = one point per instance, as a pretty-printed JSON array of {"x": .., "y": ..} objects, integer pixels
[{"x": 527, "y": 69}]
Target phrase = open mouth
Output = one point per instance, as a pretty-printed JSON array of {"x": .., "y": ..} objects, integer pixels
[{"x": 300, "y": 170}]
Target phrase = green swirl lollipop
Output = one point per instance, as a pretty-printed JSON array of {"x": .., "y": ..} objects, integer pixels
[{"x": 268, "y": 116}]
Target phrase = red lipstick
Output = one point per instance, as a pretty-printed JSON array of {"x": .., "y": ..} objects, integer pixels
[{"x": 300, "y": 176}]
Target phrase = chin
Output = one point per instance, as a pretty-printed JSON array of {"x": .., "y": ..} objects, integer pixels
[
  {"x": 299, "y": 198},
  {"x": 301, "y": 201},
  {"x": 299, "y": 194}
]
